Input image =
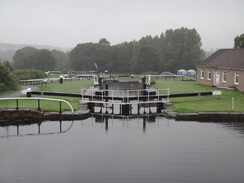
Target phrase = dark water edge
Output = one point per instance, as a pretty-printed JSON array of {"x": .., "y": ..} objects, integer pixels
[
  {"x": 123, "y": 150},
  {"x": 27, "y": 116}
]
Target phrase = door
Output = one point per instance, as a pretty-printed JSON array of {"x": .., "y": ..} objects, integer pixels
[{"x": 217, "y": 78}]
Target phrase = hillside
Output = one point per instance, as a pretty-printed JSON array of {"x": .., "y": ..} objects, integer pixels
[{"x": 7, "y": 50}]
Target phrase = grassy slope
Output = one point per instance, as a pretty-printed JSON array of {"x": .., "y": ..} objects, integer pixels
[{"x": 221, "y": 103}]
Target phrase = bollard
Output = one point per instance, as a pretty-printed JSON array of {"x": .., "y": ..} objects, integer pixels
[{"x": 61, "y": 80}]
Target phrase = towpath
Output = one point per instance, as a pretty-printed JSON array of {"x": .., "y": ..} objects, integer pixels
[{"x": 18, "y": 93}]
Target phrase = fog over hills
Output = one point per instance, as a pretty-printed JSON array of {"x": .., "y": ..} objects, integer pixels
[{"x": 7, "y": 50}]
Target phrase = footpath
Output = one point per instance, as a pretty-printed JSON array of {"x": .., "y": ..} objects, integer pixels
[{"x": 19, "y": 93}]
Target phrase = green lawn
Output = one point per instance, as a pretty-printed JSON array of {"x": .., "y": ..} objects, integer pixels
[
  {"x": 218, "y": 103},
  {"x": 73, "y": 86}
]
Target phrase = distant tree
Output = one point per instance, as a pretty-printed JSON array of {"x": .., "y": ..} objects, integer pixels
[
  {"x": 8, "y": 65},
  {"x": 45, "y": 61},
  {"x": 171, "y": 51},
  {"x": 61, "y": 60},
  {"x": 25, "y": 58},
  {"x": 145, "y": 59},
  {"x": 181, "y": 48},
  {"x": 83, "y": 56},
  {"x": 239, "y": 41},
  {"x": 104, "y": 42},
  {"x": 122, "y": 54},
  {"x": 32, "y": 58}
]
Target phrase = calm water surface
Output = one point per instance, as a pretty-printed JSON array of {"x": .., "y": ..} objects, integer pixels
[{"x": 122, "y": 151}]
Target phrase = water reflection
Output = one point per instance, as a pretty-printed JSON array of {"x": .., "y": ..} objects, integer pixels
[
  {"x": 57, "y": 127},
  {"x": 34, "y": 129},
  {"x": 110, "y": 148},
  {"x": 106, "y": 118}
]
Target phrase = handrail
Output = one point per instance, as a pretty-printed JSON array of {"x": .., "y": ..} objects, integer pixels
[
  {"x": 125, "y": 94},
  {"x": 37, "y": 98}
]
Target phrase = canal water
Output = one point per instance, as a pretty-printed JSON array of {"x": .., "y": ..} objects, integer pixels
[{"x": 138, "y": 150}]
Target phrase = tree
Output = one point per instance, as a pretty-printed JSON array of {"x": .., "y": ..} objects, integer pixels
[
  {"x": 45, "y": 61},
  {"x": 83, "y": 56},
  {"x": 32, "y": 58},
  {"x": 8, "y": 81},
  {"x": 8, "y": 65},
  {"x": 181, "y": 48},
  {"x": 171, "y": 51},
  {"x": 24, "y": 58},
  {"x": 104, "y": 42},
  {"x": 122, "y": 55},
  {"x": 61, "y": 60},
  {"x": 239, "y": 41}
]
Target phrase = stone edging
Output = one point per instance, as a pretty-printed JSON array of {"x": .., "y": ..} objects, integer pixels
[
  {"x": 30, "y": 116},
  {"x": 206, "y": 116}
]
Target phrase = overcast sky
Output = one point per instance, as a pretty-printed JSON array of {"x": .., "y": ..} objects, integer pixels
[{"x": 66, "y": 23}]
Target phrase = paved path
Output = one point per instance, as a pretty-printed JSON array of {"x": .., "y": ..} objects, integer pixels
[{"x": 18, "y": 93}]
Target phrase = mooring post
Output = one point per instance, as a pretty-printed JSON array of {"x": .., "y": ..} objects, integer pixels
[
  {"x": 28, "y": 94},
  {"x": 61, "y": 80}
]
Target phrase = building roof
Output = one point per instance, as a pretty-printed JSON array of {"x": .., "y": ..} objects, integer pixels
[{"x": 225, "y": 59}]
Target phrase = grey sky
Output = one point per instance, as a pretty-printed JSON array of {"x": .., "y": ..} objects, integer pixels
[{"x": 66, "y": 23}]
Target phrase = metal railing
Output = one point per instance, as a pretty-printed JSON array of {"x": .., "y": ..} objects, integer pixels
[
  {"x": 38, "y": 102},
  {"x": 125, "y": 95}
]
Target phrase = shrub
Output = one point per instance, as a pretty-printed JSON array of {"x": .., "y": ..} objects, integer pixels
[
  {"x": 24, "y": 74},
  {"x": 8, "y": 81}
]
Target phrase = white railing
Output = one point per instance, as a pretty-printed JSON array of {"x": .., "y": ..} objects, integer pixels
[
  {"x": 36, "y": 98},
  {"x": 157, "y": 77},
  {"x": 125, "y": 95}
]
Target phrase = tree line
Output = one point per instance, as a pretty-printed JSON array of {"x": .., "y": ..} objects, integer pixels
[{"x": 171, "y": 51}]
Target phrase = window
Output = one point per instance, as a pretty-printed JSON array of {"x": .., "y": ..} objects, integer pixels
[
  {"x": 209, "y": 75},
  {"x": 236, "y": 79},
  {"x": 202, "y": 74},
  {"x": 224, "y": 76}
]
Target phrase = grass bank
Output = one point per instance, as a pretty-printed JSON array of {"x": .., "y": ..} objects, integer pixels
[
  {"x": 218, "y": 103},
  {"x": 73, "y": 86}
]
